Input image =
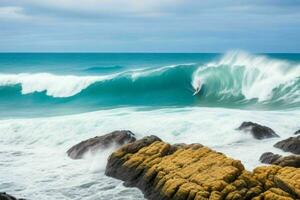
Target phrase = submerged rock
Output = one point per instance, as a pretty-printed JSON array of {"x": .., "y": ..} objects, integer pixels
[
  {"x": 186, "y": 172},
  {"x": 284, "y": 161},
  {"x": 297, "y": 132},
  {"x": 258, "y": 131},
  {"x": 291, "y": 144},
  {"x": 99, "y": 142}
]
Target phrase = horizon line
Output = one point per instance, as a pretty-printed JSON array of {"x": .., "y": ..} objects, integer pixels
[{"x": 135, "y": 52}]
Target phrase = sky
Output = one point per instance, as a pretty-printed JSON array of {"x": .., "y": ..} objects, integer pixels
[{"x": 149, "y": 25}]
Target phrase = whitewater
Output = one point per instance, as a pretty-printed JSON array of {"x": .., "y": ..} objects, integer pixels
[{"x": 46, "y": 109}]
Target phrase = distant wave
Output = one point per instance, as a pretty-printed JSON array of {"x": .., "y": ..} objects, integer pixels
[
  {"x": 53, "y": 85},
  {"x": 238, "y": 79},
  {"x": 104, "y": 68}
]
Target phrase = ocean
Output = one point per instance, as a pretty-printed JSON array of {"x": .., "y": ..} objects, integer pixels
[{"x": 51, "y": 101}]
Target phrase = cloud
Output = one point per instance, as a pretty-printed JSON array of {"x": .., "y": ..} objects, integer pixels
[
  {"x": 149, "y": 25},
  {"x": 134, "y": 7},
  {"x": 12, "y": 13}
]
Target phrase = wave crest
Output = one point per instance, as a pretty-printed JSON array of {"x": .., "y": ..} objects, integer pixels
[
  {"x": 54, "y": 85},
  {"x": 71, "y": 85},
  {"x": 237, "y": 79},
  {"x": 239, "y": 76}
]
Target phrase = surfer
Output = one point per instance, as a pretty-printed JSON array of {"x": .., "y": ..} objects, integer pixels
[{"x": 198, "y": 88}]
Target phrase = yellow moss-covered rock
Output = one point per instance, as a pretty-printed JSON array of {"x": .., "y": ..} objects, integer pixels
[{"x": 189, "y": 172}]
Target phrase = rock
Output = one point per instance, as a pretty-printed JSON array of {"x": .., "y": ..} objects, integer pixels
[
  {"x": 99, "y": 142},
  {"x": 257, "y": 130},
  {"x": 297, "y": 132},
  {"x": 291, "y": 144},
  {"x": 269, "y": 158},
  {"x": 284, "y": 161},
  {"x": 278, "y": 182},
  {"x": 186, "y": 172},
  {"x": 4, "y": 196},
  {"x": 291, "y": 161}
]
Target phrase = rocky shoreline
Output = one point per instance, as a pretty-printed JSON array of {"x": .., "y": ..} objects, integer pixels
[
  {"x": 164, "y": 171},
  {"x": 192, "y": 171},
  {"x": 183, "y": 172}
]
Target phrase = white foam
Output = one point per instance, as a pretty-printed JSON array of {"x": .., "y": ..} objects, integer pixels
[
  {"x": 261, "y": 75},
  {"x": 97, "y": 160},
  {"x": 54, "y": 85},
  {"x": 33, "y": 162}
]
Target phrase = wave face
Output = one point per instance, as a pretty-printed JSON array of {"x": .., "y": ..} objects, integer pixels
[
  {"x": 236, "y": 80},
  {"x": 243, "y": 79}
]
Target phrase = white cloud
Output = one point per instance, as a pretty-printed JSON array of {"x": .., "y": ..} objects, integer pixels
[
  {"x": 110, "y": 6},
  {"x": 12, "y": 13}
]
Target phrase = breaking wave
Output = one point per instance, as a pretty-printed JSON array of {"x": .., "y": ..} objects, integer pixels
[{"x": 237, "y": 79}]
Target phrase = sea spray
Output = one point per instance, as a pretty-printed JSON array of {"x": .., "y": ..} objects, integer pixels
[
  {"x": 96, "y": 161},
  {"x": 251, "y": 77}
]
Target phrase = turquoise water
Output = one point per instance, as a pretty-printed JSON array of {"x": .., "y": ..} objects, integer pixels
[
  {"x": 33, "y": 84},
  {"x": 49, "y": 102}
]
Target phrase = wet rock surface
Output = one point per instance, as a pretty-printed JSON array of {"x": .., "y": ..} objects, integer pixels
[
  {"x": 284, "y": 161},
  {"x": 269, "y": 157},
  {"x": 101, "y": 142},
  {"x": 258, "y": 131},
  {"x": 291, "y": 144},
  {"x": 4, "y": 196},
  {"x": 185, "y": 172}
]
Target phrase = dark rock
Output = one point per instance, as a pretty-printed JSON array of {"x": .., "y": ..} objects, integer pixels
[
  {"x": 269, "y": 158},
  {"x": 289, "y": 161},
  {"x": 137, "y": 145},
  {"x": 100, "y": 142},
  {"x": 291, "y": 144},
  {"x": 4, "y": 196},
  {"x": 284, "y": 161},
  {"x": 297, "y": 132},
  {"x": 257, "y": 130}
]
